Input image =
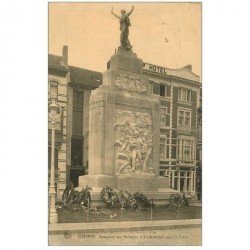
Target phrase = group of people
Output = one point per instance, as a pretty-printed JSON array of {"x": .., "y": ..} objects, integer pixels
[{"x": 134, "y": 148}]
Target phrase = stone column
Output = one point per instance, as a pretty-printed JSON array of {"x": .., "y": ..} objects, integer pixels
[
  {"x": 180, "y": 149},
  {"x": 185, "y": 182},
  {"x": 191, "y": 182},
  {"x": 179, "y": 181},
  {"x": 193, "y": 150},
  {"x": 194, "y": 187},
  {"x": 173, "y": 176},
  {"x": 170, "y": 178}
]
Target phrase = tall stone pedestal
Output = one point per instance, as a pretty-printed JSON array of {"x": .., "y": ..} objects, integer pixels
[{"x": 124, "y": 131}]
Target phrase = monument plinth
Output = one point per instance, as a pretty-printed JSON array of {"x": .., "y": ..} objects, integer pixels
[{"x": 124, "y": 131}]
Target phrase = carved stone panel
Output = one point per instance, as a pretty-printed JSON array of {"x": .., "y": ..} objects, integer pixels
[
  {"x": 110, "y": 98},
  {"x": 131, "y": 83},
  {"x": 133, "y": 142}
]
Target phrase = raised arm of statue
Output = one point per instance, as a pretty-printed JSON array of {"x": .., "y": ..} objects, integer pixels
[
  {"x": 112, "y": 12},
  {"x": 130, "y": 12}
]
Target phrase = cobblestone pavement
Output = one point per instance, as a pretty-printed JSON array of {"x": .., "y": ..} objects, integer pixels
[{"x": 177, "y": 236}]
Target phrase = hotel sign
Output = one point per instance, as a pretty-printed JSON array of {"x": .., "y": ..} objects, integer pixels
[{"x": 154, "y": 68}]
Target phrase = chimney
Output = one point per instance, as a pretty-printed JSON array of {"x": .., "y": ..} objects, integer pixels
[
  {"x": 188, "y": 67},
  {"x": 65, "y": 54}
]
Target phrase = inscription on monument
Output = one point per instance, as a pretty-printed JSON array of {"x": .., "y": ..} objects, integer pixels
[
  {"x": 131, "y": 83},
  {"x": 133, "y": 142}
]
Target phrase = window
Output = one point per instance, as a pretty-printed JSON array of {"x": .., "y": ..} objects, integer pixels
[
  {"x": 162, "y": 90},
  {"x": 53, "y": 90},
  {"x": 77, "y": 113},
  {"x": 156, "y": 87},
  {"x": 77, "y": 100},
  {"x": 165, "y": 90},
  {"x": 162, "y": 173},
  {"x": 184, "y": 117},
  {"x": 165, "y": 116},
  {"x": 168, "y": 91},
  {"x": 186, "y": 149},
  {"x": 184, "y": 95},
  {"x": 76, "y": 151},
  {"x": 77, "y": 123},
  {"x": 173, "y": 148},
  {"x": 164, "y": 147}
]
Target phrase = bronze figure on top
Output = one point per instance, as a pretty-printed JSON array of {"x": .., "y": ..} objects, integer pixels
[{"x": 124, "y": 27}]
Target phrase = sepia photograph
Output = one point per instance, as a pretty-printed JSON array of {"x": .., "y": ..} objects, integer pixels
[{"x": 125, "y": 123}]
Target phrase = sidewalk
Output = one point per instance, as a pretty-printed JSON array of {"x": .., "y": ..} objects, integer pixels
[{"x": 95, "y": 227}]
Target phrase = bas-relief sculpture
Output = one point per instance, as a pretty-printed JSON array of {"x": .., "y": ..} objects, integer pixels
[
  {"x": 133, "y": 143},
  {"x": 131, "y": 83}
]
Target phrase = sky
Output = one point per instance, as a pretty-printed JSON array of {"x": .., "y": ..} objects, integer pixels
[{"x": 92, "y": 34}]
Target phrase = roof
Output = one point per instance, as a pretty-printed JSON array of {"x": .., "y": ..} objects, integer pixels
[
  {"x": 77, "y": 75},
  {"x": 93, "y": 78},
  {"x": 184, "y": 72},
  {"x": 85, "y": 76},
  {"x": 56, "y": 62}
]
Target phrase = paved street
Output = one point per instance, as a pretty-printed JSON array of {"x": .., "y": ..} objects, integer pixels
[{"x": 177, "y": 236}]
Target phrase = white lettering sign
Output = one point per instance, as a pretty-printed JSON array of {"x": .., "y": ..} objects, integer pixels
[{"x": 154, "y": 68}]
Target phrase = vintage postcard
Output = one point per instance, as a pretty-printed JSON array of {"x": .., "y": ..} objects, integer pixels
[{"x": 125, "y": 119}]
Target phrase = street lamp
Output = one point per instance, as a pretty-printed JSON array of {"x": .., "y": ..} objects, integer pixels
[{"x": 54, "y": 114}]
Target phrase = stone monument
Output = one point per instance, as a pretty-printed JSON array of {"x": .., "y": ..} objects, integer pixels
[{"x": 124, "y": 130}]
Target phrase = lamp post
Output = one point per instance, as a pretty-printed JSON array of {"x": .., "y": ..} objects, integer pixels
[{"x": 54, "y": 115}]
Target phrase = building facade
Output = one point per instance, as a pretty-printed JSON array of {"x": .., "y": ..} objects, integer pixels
[
  {"x": 180, "y": 121},
  {"x": 58, "y": 80},
  {"x": 179, "y": 94}
]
